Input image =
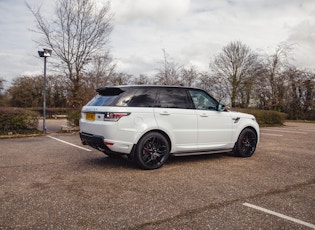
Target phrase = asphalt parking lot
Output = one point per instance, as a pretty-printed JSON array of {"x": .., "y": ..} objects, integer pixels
[{"x": 53, "y": 182}]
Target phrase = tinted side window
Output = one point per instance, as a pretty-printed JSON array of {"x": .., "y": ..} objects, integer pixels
[
  {"x": 125, "y": 98},
  {"x": 173, "y": 98},
  {"x": 144, "y": 97}
]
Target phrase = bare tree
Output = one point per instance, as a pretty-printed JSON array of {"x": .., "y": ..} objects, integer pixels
[
  {"x": 141, "y": 80},
  {"x": 272, "y": 79},
  {"x": 2, "y": 81},
  {"x": 79, "y": 31},
  {"x": 235, "y": 69},
  {"x": 169, "y": 72},
  {"x": 2, "y": 93},
  {"x": 100, "y": 70},
  {"x": 120, "y": 79},
  {"x": 211, "y": 85},
  {"x": 189, "y": 76},
  {"x": 299, "y": 97},
  {"x": 99, "y": 73}
]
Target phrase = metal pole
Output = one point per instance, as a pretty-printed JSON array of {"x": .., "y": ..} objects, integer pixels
[{"x": 44, "y": 94}]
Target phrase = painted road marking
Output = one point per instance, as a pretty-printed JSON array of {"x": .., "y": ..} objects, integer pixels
[
  {"x": 68, "y": 143},
  {"x": 271, "y": 134},
  {"x": 280, "y": 215},
  {"x": 284, "y": 131}
]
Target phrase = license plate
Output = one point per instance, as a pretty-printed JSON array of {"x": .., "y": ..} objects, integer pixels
[{"x": 90, "y": 116}]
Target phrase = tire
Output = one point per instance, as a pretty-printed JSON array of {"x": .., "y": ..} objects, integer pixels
[
  {"x": 152, "y": 151},
  {"x": 246, "y": 143}
]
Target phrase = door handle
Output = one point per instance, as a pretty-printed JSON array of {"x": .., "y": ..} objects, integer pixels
[
  {"x": 203, "y": 115},
  {"x": 164, "y": 113}
]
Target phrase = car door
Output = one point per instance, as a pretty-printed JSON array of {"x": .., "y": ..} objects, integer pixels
[
  {"x": 175, "y": 115},
  {"x": 215, "y": 128}
]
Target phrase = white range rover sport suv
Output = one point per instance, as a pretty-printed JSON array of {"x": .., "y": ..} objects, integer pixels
[{"x": 150, "y": 123}]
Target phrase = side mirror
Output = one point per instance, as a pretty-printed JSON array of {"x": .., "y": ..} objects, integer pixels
[{"x": 222, "y": 107}]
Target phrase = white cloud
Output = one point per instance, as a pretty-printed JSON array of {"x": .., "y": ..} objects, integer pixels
[
  {"x": 304, "y": 32},
  {"x": 209, "y": 25},
  {"x": 303, "y": 37},
  {"x": 155, "y": 10}
]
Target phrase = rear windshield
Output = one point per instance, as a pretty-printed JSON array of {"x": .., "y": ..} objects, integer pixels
[
  {"x": 100, "y": 100},
  {"x": 106, "y": 96}
]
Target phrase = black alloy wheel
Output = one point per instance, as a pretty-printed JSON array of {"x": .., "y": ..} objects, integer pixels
[
  {"x": 152, "y": 151},
  {"x": 246, "y": 143}
]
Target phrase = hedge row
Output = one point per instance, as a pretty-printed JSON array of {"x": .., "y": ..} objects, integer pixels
[
  {"x": 73, "y": 115},
  {"x": 266, "y": 117},
  {"x": 17, "y": 120},
  {"x": 50, "y": 111},
  {"x": 263, "y": 117}
]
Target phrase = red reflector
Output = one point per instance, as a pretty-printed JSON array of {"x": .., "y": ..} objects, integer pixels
[{"x": 109, "y": 143}]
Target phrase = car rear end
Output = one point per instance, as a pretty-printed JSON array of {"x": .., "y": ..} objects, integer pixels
[
  {"x": 110, "y": 124},
  {"x": 101, "y": 122}
]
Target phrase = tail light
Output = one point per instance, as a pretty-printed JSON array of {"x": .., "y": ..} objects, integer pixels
[{"x": 113, "y": 116}]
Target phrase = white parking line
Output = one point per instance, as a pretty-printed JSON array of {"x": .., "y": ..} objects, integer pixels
[
  {"x": 270, "y": 134},
  {"x": 284, "y": 131},
  {"x": 68, "y": 143},
  {"x": 280, "y": 215}
]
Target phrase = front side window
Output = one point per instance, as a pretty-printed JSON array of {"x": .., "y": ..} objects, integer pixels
[{"x": 202, "y": 100}]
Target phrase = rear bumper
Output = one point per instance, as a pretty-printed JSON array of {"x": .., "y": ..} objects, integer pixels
[
  {"x": 98, "y": 142},
  {"x": 94, "y": 141}
]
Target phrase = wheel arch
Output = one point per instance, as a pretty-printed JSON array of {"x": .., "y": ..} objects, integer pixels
[
  {"x": 158, "y": 131},
  {"x": 247, "y": 127},
  {"x": 246, "y": 124},
  {"x": 252, "y": 128}
]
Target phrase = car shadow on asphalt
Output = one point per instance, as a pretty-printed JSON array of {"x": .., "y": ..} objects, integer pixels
[
  {"x": 196, "y": 158},
  {"x": 124, "y": 162},
  {"x": 111, "y": 162}
]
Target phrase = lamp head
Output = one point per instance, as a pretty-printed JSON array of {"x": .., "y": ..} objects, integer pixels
[{"x": 45, "y": 53}]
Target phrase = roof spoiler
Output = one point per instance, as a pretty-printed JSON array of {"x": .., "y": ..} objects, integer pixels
[{"x": 109, "y": 91}]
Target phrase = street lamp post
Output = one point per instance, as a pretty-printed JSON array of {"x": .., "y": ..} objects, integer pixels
[{"x": 46, "y": 53}]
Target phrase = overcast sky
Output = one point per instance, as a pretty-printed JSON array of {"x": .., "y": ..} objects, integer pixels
[{"x": 191, "y": 32}]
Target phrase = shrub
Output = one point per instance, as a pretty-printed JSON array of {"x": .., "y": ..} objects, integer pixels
[
  {"x": 266, "y": 117},
  {"x": 50, "y": 111},
  {"x": 73, "y": 117},
  {"x": 17, "y": 120}
]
